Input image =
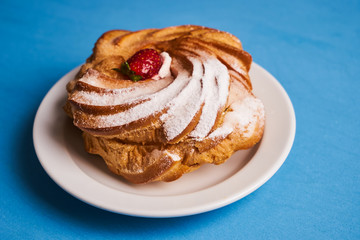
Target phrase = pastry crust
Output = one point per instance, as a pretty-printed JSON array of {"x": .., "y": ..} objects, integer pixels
[{"x": 162, "y": 145}]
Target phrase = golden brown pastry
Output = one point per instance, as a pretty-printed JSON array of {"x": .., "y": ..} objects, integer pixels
[{"x": 199, "y": 107}]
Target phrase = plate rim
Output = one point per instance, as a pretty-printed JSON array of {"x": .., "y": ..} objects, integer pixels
[{"x": 178, "y": 212}]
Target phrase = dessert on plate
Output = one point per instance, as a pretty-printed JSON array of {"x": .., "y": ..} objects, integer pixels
[{"x": 158, "y": 103}]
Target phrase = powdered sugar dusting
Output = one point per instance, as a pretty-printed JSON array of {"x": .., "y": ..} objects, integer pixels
[
  {"x": 215, "y": 89},
  {"x": 118, "y": 96},
  {"x": 244, "y": 115},
  {"x": 206, "y": 88},
  {"x": 183, "y": 107},
  {"x": 175, "y": 157},
  {"x": 156, "y": 154},
  {"x": 156, "y": 103}
]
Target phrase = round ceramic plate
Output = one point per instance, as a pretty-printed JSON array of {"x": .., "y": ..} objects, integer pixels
[{"x": 59, "y": 147}]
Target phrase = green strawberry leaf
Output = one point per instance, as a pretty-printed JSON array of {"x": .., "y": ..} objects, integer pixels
[
  {"x": 125, "y": 69},
  {"x": 117, "y": 69},
  {"x": 135, "y": 77}
]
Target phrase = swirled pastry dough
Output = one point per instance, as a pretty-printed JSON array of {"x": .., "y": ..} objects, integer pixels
[{"x": 198, "y": 109}]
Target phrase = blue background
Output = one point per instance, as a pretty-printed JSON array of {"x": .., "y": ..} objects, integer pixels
[{"x": 311, "y": 47}]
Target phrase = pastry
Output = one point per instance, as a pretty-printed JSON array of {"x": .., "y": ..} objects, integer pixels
[{"x": 189, "y": 103}]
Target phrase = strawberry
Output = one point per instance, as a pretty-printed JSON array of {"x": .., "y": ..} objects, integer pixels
[{"x": 143, "y": 64}]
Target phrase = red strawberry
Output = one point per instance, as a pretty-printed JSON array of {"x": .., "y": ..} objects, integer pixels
[{"x": 143, "y": 64}]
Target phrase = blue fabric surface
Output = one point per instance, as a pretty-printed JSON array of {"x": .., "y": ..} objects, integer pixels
[{"x": 311, "y": 47}]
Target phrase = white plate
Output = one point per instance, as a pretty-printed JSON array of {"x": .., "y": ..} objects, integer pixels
[{"x": 59, "y": 147}]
